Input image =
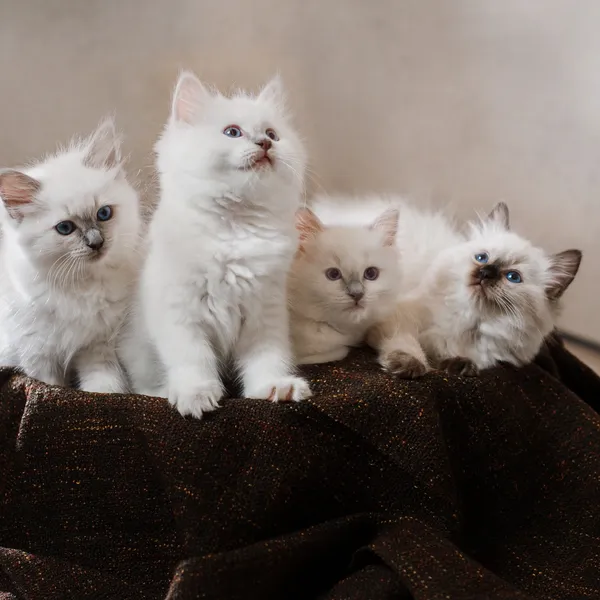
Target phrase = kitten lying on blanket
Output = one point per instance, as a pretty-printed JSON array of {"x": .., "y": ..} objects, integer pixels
[
  {"x": 491, "y": 297},
  {"x": 342, "y": 281},
  {"x": 71, "y": 228}
]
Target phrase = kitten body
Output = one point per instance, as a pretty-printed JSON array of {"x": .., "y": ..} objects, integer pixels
[
  {"x": 220, "y": 244},
  {"x": 462, "y": 320},
  {"x": 64, "y": 296},
  {"x": 492, "y": 297},
  {"x": 343, "y": 280}
]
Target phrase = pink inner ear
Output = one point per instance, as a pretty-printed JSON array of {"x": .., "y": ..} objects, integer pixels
[
  {"x": 307, "y": 224},
  {"x": 17, "y": 188},
  {"x": 387, "y": 223},
  {"x": 189, "y": 94}
]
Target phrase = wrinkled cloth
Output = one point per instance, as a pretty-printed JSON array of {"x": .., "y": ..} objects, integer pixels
[{"x": 376, "y": 488}]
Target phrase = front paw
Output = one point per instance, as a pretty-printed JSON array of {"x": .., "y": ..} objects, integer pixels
[
  {"x": 284, "y": 389},
  {"x": 103, "y": 383},
  {"x": 460, "y": 366},
  {"x": 195, "y": 399},
  {"x": 402, "y": 364}
]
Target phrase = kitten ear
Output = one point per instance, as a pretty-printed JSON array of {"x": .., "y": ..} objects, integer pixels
[
  {"x": 307, "y": 224},
  {"x": 564, "y": 267},
  {"x": 17, "y": 191},
  {"x": 273, "y": 92},
  {"x": 104, "y": 147},
  {"x": 387, "y": 223},
  {"x": 189, "y": 96},
  {"x": 500, "y": 215}
]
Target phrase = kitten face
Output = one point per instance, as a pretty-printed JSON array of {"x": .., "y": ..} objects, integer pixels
[
  {"x": 240, "y": 141},
  {"x": 499, "y": 272},
  {"x": 75, "y": 211},
  {"x": 349, "y": 274}
]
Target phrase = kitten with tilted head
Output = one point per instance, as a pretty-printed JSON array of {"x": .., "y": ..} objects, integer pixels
[
  {"x": 70, "y": 233},
  {"x": 220, "y": 244},
  {"x": 343, "y": 281},
  {"x": 488, "y": 297},
  {"x": 492, "y": 297}
]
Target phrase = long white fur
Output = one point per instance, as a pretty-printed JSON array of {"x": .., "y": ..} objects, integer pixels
[
  {"x": 60, "y": 308},
  {"x": 437, "y": 305},
  {"x": 220, "y": 244}
]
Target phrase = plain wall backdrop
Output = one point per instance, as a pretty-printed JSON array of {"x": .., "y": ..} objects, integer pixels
[{"x": 464, "y": 102}]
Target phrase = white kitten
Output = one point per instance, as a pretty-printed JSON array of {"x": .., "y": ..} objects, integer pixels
[
  {"x": 220, "y": 245},
  {"x": 343, "y": 281},
  {"x": 70, "y": 229},
  {"x": 492, "y": 298}
]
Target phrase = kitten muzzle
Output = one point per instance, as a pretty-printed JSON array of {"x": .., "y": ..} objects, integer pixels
[
  {"x": 355, "y": 290},
  {"x": 488, "y": 272},
  {"x": 93, "y": 239}
]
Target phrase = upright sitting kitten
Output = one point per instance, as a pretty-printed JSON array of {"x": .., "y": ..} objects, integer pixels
[
  {"x": 492, "y": 298},
  {"x": 220, "y": 245},
  {"x": 343, "y": 281},
  {"x": 70, "y": 232}
]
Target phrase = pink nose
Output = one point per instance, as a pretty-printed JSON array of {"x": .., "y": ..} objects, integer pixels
[{"x": 264, "y": 144}]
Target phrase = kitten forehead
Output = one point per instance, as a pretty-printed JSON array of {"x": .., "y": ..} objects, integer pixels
[
  {"x": 246, "y": 110},
  {"x": 67, "y": 182}
]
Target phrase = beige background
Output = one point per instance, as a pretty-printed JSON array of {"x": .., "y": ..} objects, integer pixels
[{"x": 460, "y": 101}]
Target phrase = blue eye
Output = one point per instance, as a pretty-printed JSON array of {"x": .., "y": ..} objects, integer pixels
[
  {"x": 514, "y": 277},
  {"x": 65, "y": 227},
  {"x": 482, "y": 257},
  {"x": 104, "y": 213},
  {"x": 233, "y": 131}
]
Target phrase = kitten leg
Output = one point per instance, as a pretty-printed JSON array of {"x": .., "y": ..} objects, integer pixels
[
  {"x": 264, "y": 355},
  {"x": 43, "y": 368},
  {"x": 193, "y": 383},
  {"x": 459, "y": 365},
  {"x": 315, "y": 343},
  {"x": 399, "y": 351},
  {"x": 98, "y": 369},
  {"x": 324, "y": 357}
]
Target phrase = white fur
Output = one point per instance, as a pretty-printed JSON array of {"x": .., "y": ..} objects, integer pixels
[
  {"x": 60, "y": 305},
  {"x": 220, "y": 244},
  {"x": 326, "y": 321},
  {"x": 509, "y": 329},
  {"x": 439, "y": 306}
]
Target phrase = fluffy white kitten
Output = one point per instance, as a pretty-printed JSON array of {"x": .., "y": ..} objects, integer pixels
[
  {"x": 343, "y": 281},
  {"x": 491, "y": 298},
  {"x": 220, "y": 245},
  {"x": 70, "y": 228}
]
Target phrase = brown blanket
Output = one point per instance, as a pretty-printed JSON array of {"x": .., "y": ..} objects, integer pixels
[{"x": 376, "y": 489}]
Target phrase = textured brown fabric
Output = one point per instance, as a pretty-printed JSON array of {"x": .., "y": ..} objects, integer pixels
[{"x": 376, "y": 489}]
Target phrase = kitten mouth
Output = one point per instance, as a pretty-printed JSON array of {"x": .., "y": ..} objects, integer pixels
[
  {"x": 356, "y": 307},
  {"x": 261, "y": 162}
]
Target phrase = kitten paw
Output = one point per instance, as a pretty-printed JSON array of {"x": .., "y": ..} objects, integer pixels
[
  {"x": 285, "y": 389},
  {"x": 460, "y": 366},
  {"x": 403, "y": 364},
  {"x": 103, "y": 383},
  {"x": 197, "y": 399}
]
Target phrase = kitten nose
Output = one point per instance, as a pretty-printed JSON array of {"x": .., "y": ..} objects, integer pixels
[
  {"x": 265, "y": 144},
  {"x": 488, "y": 272},
  {"x": 355, "y": 291},
  {"x": 93, "y": 239}
]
